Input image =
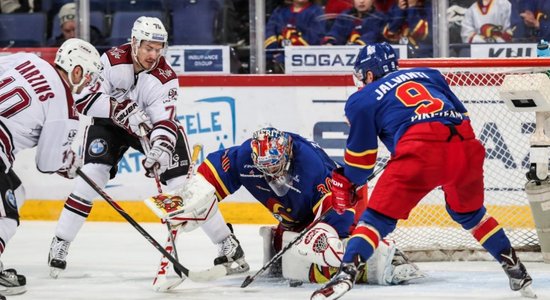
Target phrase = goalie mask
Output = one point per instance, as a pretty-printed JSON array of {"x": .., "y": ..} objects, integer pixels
[
  {"x": 379, "y": 58},
  {"x": 271, "y": 151}
]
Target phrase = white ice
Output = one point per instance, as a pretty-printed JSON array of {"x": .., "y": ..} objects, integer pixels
[{"x": 113, "y": 261}]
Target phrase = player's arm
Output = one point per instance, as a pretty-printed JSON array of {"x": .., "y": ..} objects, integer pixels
[{"x": 53, "y": 152}]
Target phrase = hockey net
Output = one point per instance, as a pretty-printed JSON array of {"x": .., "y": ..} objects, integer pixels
[{"x": 429, "y": 233}]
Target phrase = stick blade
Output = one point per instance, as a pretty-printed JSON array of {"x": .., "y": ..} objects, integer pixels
[
  {"x": 213, "y": 273},
  {"x": 247, "y": 281}
]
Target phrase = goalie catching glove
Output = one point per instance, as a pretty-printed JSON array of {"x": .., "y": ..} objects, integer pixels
[
  {"x": 128, "y": 115},
  {"x": 190, "y": 206}
]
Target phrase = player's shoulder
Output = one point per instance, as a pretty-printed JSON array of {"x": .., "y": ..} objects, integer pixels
[
  {"x": 119, "y": 55},
  {"x": 163, "y": 72}
]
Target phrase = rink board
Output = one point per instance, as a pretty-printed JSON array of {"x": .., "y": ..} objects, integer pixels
[{"x": 222, "y": 111}]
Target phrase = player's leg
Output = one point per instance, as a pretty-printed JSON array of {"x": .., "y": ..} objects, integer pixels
[
  {"x": 102, "y": 150},
  {"x": 465, "y": 195},
  {"x": 402, "y": 185},
  {"x": 230, "y": 252},
  {"x": 13, "y": 196}
]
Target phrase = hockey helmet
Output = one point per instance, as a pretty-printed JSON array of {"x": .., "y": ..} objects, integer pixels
[
  {"x": 379, "y": 58},
  {"x": 76, "y": 52},
  {"x": 148, "y": 29},
  {"x": 271, "y": 151}
]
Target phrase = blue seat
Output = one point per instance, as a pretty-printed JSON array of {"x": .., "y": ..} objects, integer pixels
[
  {"x": 193, "y": 23},
  {"x": 23, "y": 30},
  {"x": 97, "y": 19},
  {"x": 135, "y": 5},
  {"x": 122, "y": 25}
]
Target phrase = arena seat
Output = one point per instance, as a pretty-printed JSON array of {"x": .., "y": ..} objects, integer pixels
[
  {"x": 122, "y": 25},
  {"x": 22, "y": 30},
  {"x": 135, "y": 5},
  {"x": 193, "y": 22}
]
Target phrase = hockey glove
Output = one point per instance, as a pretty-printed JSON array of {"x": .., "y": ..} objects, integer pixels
[
  {"x": 129, "y": 116},
  {"x": 343, "y": 191},
  {"x": 159, "y": 156},
  {"x": 71, "y": 162}
]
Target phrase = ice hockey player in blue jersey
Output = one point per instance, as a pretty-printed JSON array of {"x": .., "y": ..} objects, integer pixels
[
  {"x": 290, "y": 176},
  {"x": 432, "y": 144}
]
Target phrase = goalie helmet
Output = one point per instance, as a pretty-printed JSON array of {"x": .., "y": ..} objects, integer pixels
[
  {"x": 76, "y": 52},
  {"x": 271, "y": 151},
  {"x": 379, "y": 58},
  {"x": 148, "y": 29}
]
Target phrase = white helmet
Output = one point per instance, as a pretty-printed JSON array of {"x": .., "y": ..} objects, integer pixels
[
  {"x": 148, "y": 29},
  {"x": 76, "y": 52}
]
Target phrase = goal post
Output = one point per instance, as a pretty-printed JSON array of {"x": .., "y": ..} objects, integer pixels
[{"x": 430, "y": 233}]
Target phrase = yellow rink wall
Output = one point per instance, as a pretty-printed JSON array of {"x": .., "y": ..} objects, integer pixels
[{"x": 255, "y": 213}]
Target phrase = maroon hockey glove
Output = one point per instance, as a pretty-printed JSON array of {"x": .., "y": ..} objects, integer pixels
[
  {"x": 343, "y": 191},
  {"x": 159, "y": 156},
  {"x": 128, "y": 115},
  {"x": 71, "y": 162}
]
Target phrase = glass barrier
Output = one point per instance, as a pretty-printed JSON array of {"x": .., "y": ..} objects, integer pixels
[{"x": 257, "y": 31}]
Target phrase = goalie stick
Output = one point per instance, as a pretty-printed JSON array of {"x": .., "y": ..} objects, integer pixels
[
  {"x": 161, "y": 282},
  {"x": 249, "y": 279},
  {"x": 206, "y": 275}
]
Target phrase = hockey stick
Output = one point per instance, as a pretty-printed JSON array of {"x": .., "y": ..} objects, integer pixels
[
  {"x": 249, "y": 279},
  {"x": 206, "y": 275},
  {"x": 161, "y": 283}
]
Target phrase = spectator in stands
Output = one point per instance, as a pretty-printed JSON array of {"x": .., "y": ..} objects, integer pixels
[
  {"x": 523, "y": 32},
  {"x": 336, "y": 7},
  {"x": 14, "y": 6},
  {"x": 358, "y": 25},
  {"x": 384, "y": 5},
  {"x": 539, "y": 19},
  {"x": 409, "y": 23},
  {"x": 299, "y": 24},
  {"x": 67, "y": 21},
  {"x": 487, "y": 21}
]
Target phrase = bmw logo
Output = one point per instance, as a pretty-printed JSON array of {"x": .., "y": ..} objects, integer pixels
[
  {"x": 97, "y": 147},
  {"x": 10, "y": 198}
]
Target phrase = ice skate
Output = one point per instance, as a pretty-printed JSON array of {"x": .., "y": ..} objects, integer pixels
[
  {"x": 57, "y": 255},
  {"x": 11, "y": 283},
  {"x": 231, "y": 255},
  {"x": 519, "y": 278},
  {"x": 340, "y": 284}
]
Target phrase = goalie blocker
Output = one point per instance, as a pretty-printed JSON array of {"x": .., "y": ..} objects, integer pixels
[{"x": 318, "y": 255}]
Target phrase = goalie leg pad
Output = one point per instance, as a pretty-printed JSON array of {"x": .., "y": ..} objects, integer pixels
[{"x": 389, "y": 266}]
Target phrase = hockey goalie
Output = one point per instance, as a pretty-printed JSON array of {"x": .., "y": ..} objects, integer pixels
[{"x": 290, "y": 176}]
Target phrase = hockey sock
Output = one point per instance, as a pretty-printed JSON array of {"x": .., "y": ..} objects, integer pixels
[
  {"x": 491, "y": 236},
  {"x": 7, "y": 230},
  {"x": 363, "y": 241},
  {"x": 73, "y": 216},
  {"x": 216, "y": 228}
]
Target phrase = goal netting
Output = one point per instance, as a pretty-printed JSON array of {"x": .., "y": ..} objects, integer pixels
[{"x": 505, "y": 135}]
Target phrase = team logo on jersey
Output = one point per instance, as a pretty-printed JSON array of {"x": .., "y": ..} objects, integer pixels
[
  {"x": 72, "y": 135},
  {"x": 173, "y": 94},
  {"x": 97, "y": 147},
  {"x": 117, "y": 53},
  {"x": 165, "y": 73},
  {"x": 10, "y": 198}
]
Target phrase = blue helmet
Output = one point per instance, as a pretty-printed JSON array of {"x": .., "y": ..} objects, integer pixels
[{"x": 379, "y": 58}]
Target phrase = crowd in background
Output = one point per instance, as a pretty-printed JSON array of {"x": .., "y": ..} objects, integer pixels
[{"x": 293, "y": 22}]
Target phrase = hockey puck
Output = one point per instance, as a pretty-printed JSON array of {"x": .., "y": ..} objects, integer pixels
[{"x": 295, "y": 283}]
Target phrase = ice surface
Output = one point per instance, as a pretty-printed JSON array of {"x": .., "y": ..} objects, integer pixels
[{"x": 113, "y": 261}]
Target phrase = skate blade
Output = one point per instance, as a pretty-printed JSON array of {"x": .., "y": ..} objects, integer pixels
[
  {"x": 241, "y": 267},
  {"x": 54, "y": 272},
  {"x": 332, "y": 292},
  {"x": 16, "y": 290},
  {"x": 527, "y": 291}
]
